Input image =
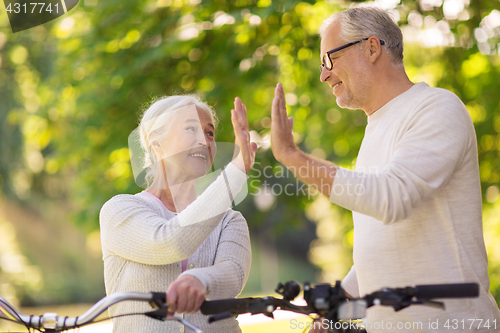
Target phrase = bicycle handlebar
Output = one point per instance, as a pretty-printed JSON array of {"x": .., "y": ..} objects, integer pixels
[
  {"x": 323, "y": 299},
  {"x": 51, "y": 322},
  {"x": 254, "y": 305},
  {"x": 330, "y": 302},
  {"x": 447, "y": 290}
]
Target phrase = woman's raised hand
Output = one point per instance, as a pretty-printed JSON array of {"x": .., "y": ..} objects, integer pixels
[{"x": 246, "y": 156}]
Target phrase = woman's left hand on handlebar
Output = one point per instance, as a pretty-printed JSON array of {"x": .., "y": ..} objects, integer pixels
[{"x": 186, "y": 294}]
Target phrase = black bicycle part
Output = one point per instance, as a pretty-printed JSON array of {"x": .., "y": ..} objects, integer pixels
[
  {"x": 289, "y": 290},
  {"x": 159, "y": 301}
]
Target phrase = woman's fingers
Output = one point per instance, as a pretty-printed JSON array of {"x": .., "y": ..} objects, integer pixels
[
  {"x": 199, "y": 301},
  {"x": 191, "y": 296},
  {"x": 185, "y": 294},
  {"x": 254, "y": 147},
  {"x": 241, "y": 123},
  {"x": 238, "y": 131},
  {"x": 172, "y": 298},
  {"x": 182, "y": 299},
  {"x": 238, "y": 106},
  {"x": 246, "y": 154},
  {"x": 244, "y": 110}
]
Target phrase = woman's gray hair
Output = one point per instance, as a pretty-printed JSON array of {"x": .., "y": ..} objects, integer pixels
[
  {"x": 362, "y": 22},
  {"x": 156, "y": 121}
]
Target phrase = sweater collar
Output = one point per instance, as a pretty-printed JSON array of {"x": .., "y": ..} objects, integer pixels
[{"x": 403, "y": 98}]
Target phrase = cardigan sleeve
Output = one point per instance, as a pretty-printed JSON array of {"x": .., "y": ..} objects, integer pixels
[
  {"x": 131, "y": 229},
  {"x": 229, "y": 273}
]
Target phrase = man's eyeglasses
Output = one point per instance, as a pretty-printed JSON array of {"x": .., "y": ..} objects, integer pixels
[{"x": 327, "y": 61}]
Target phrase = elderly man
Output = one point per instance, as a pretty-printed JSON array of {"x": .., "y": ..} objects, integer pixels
[{"x": 415, "y": 191}]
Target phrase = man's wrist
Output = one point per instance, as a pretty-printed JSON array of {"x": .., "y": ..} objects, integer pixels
[{"x": 290, "y": 157}]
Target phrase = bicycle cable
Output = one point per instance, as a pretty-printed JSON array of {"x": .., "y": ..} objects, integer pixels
[{"x": 20, "y": 321}]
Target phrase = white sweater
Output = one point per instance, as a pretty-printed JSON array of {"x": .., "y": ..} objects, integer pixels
[
  {"x": 416, "y": 201},
  {"x": 144, "y": 243}
]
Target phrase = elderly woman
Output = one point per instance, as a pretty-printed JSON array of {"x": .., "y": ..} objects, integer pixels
[{"x": 167, "y": 238}]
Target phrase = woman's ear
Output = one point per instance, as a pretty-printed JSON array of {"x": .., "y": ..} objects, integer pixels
[{"x": 157, "y": 148}]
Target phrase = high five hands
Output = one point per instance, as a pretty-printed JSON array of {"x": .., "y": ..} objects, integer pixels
[{"x": 282, "y": 143}]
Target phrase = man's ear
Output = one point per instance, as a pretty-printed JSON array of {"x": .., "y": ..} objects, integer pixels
[{"x": 374, "y": 48}]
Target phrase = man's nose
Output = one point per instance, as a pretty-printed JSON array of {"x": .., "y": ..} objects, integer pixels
[{"x": 325, "y": 74}]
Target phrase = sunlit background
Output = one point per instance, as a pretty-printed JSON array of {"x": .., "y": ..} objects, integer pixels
[{"x": 71, "y": 92}]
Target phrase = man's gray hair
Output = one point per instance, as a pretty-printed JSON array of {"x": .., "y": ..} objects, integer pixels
[{"x": 363, "y": 22}]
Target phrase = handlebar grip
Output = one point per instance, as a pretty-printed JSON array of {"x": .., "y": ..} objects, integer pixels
[
  {"x": 457, "y": 290},
  {"x": 219, "y": 306}
]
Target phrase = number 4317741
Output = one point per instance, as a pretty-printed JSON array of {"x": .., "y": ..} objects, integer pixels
[
  {"x": 17, "y": 8},
  {"x": 456, "y": 324}
]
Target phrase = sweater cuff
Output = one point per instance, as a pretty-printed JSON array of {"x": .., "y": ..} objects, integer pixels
[
  {"x": 201, "y": 275},
  {"x": 216, "y": 199},
  {"x": 346, "y": 186},
  {"x": 235, "y": 178}
]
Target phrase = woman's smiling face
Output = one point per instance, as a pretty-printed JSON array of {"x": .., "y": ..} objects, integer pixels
[{"x": 189, "y": 148}]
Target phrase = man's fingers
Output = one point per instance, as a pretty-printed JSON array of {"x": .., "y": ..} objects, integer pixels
[
  {"x": 276, "y": 111},
  {"x": 279, "y": 104},
  {"x": 281, "y": 92}
]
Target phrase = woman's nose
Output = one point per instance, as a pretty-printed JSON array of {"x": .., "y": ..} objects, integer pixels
[{"x": 202, "y": 141}]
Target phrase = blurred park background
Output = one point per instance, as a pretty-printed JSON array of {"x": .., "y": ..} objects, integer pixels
[{"x": 71, "y": 91}]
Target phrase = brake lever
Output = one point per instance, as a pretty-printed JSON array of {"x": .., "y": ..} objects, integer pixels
[
  {"x": 158, "y": 314},
  {"x": 220, "y": 316},
  {"x": 159, "y": 302},
  {"x": 434, "y": 304}
]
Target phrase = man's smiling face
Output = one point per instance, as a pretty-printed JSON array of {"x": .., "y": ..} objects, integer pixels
[{"x": 348, "y": 77}]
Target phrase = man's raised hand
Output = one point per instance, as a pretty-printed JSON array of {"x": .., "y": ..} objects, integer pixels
[{"x": 282, "y": 142}]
